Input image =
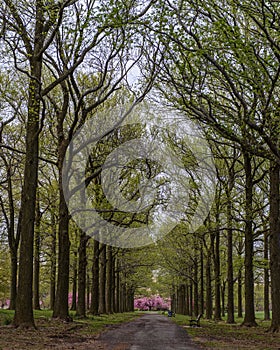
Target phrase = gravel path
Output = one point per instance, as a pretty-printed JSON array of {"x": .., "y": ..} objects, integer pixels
[{"x": 149, "y": 332}]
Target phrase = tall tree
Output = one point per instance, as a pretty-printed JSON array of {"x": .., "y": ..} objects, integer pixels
[
  {"x": 33, "y": 47},
  {"x": 11, "y": 152}
]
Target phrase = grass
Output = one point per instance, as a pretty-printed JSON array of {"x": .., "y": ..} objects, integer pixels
[
  {"x": 97, "y": 322},
  {"x": 6, "y": 317},
  {"x": 223, "y": 336},
  {"x": 52, "y": 333}
]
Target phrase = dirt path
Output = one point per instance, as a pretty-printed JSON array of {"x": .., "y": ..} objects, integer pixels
[{"x": 149, "y": 332}]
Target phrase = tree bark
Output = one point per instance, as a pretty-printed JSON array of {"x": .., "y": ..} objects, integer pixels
[
  {"x": 223, "y": 292},
  {"x": 274, "y": 218},
  {"x": 13, "y": 286},
  {"x": 188, "y": 299},
  {"x": 114, "y": 283},
  {"x": 102, "y": 280},
  {"x": 109, "y": 280},
  {"x": 201, "y": 309},
  {"x": 82, "y": 275},
  {"x": 239, "y": 296},
  {"x": 53, "y": 261},
  {"x": 209, "y": 303},
  {"x": 12, "y": 238},
  {"x": 62, "y": 290},
  {"x": 118, "y": 283},
  {"x": 266, "y": 278},
  {"x": 74, "y": 286},
  {"x": 230, "y": 300},
  {"x": 37, "y": 244},
  {"x": 196, "y": 297},
  {"x": 191, "y": 298},
  {"x": 249, "y": 319},
  {"x": 181, "y": 295},
  {"x": 94, "y": 306},
  {"x": 88, "y": 289},
  {"x": 217, "y": 272},
  {"x": 24, "y": 309}
]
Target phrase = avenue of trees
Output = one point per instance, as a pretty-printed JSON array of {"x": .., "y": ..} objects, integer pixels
[{"x": 215, "y": 62}]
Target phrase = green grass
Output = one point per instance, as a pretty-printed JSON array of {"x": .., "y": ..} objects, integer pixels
[
  {"x": 220, "y": 335},
  {"x": 54, "y": 333},
  {"x": 96, "y": 323},
  {"x": 6, "y": 317}
]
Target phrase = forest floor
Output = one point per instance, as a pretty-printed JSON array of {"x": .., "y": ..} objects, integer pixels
[
  {"x": 148, "y": 332},
  {"x": 224, "y": 336},
  {"x": 134, "y": 331},
  {"x": 82, "y": 334}
]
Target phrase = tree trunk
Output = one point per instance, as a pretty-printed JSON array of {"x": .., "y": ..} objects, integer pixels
[
  {"x": 191, "y": 298},
  {"x": 88, "y": 288},
  {"x": 113, "y": 291},
  {"x": 201, "y": 311},
  {"x": 217, "y": 272},
  {"x": 196, "y": 297},
  {"x": 187, "y": 299},
  {"x": 173, "y": 300},
  {"x": 74, "y": 286},
  {"x": 109, "y": 280},
  {"x": 124, "y": 295},
  {"x": 13, "y": 286},
  {"x": 102, "y": 280},
  {"x": 130, "y": 300},
  {"x": 181, "y": 299},
  {"x": 230, "y": 301},
  {"x": 117, "y": 294},
  {"x": 209, "y": 303},
  {"x": 266, "y": 279},
  {"x": 82, "y": 274},
  {"x": 53, "y": 262},
  {"x": 223, "y": 292},
  {"x": 249, "y": 319},
  {"x": 24, "y": 309},
  {"x": 94, "y": 306},
  {"x": 37, "y": 244},
  {"x": 274, "y": 218},
  {"x": 240, "y": 280},
  {"x": 239, "y": 292},
  {"x": 13, "y": 241},
  {"x": 62, "y": 290}
]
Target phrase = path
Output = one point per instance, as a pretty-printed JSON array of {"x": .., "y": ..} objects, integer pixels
[{"x": 149, "y": 332}]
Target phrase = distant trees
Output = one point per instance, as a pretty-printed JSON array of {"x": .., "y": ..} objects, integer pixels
[{"x": 152, "y": 303}]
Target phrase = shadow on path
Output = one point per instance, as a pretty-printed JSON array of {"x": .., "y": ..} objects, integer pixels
[{"x": 149, "y": 332}]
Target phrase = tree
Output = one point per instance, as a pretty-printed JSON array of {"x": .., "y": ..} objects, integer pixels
[
  {"x": 35, "y": 38},
  {"x": 9, "y": 216},
  {"x": 11, "y": 153},
  {"x": 236, "y": 99},
  {"x": 65, "y": 28}
]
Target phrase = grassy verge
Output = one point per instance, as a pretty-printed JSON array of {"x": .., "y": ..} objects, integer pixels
[
  {"x": 55, "y": 334},
  {"x": 222, "y": 336},
  {"x": 97, "y": 322}
]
